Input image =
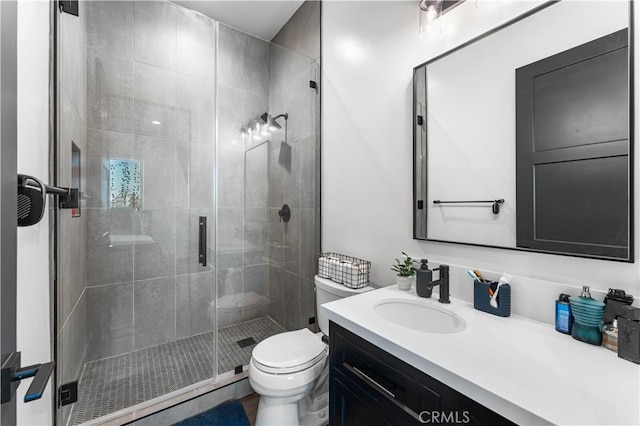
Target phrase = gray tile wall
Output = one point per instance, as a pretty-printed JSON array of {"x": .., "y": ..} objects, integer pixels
[
  {"x": 294, "y": 168},
  {"x": 151, "y": 98},
  {"x": 302, "y": 32}
]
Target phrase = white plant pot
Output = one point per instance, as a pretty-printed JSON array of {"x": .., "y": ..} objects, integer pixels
[{"x": 404, "y": 283}]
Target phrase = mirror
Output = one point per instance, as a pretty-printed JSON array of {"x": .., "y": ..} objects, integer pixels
[{"x": 469, "y": 172}]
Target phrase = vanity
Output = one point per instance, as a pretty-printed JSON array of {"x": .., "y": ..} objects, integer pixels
[
  {"x": 371, "y": 386},
  {"x": 490, "y": 370}
]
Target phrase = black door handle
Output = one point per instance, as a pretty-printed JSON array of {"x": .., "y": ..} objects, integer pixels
[
  {"x": 40, "y": 374},
  {"x": 202, "y": 242},
  {"x": 11, "y": 374}
]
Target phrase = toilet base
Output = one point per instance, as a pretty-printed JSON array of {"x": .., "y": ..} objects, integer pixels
[
  {"x": 277, "y": 412},
  {"x": 285, "y": 411},
  {"x": 316, "y": 411}
]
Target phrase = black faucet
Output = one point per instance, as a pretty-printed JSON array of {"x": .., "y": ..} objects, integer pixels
[{"x": 443, "y": 282}]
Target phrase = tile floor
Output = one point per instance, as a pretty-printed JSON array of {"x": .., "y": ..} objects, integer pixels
[{"x": 112, "y": 384}]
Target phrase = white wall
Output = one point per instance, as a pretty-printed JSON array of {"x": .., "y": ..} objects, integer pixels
[
  {"x": 369, "y": 51},
  {"x": 34, "y": 337}
]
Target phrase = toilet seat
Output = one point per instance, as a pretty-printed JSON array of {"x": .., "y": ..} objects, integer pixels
[{"x": 289, "y": 352}]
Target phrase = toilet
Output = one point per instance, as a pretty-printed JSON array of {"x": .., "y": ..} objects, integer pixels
[{"x": 290, "y": 370}]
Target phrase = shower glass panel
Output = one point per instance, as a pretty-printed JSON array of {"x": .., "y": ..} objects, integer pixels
[
  {"x": 265, "y": 265},
  {"x": 154, "y": 96},
  {"x": 141, "y": 322},
  {"x": 294, "y": 180}
]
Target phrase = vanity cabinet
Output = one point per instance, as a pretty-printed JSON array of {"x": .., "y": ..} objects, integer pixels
[{"x": 369, "y": 386}]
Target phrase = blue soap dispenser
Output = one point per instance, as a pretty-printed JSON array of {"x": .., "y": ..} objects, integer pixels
[
  {"x": 424, "y": 276},
  {"x": 564, "y": 316}
]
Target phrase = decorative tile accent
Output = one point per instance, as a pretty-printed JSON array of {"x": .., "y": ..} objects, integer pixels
[{"x": 112, "y": 384}]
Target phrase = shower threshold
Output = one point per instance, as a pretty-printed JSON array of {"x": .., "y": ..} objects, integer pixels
[{"x": 122, "y": 383}]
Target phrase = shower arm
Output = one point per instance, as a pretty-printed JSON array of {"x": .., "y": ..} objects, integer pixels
[{"x": 286, "y": 118}]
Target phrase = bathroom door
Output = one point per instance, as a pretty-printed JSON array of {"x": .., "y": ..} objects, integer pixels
[{"x": 8, "y": 193}]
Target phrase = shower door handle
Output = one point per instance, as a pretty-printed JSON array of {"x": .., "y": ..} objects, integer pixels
[{"x": 202, "y": 243}]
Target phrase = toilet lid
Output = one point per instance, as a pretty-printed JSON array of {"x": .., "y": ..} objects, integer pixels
[{"x": 289, "y": 352}]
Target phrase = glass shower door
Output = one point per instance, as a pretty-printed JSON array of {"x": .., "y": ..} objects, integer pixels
[{"x": 136, "y": 317}]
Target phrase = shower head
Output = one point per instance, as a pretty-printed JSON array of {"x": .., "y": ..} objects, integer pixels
[{"x": 271, "y": 121}]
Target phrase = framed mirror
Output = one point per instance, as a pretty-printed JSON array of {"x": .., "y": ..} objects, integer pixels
[{"x": 523, "y": 135}]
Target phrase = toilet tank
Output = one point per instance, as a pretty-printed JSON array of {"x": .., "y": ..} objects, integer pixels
[{"x": 328, "y": 291}]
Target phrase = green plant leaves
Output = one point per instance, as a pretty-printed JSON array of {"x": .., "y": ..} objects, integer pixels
[{"x": 406, "y": 268}]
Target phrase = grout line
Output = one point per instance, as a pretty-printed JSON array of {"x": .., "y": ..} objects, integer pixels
[{"x": 71, "y": 312}]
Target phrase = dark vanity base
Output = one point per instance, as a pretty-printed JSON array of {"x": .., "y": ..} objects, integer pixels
[{"x": 369, "y": 386}]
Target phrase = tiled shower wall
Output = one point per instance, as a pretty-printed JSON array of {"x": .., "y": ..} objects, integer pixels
[
  {"x": 294, "y": 168},
  {"x": 151, "y": 69}
]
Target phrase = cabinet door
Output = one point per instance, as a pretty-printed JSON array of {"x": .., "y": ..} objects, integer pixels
[
  {"x": 572, "y": 151},
  {"x": 349, "y": 408}
]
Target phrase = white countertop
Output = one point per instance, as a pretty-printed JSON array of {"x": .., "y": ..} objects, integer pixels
[{"x": 524, "y": 370}]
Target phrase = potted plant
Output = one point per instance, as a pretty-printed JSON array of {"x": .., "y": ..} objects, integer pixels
[{"x": 405, "y": 269}]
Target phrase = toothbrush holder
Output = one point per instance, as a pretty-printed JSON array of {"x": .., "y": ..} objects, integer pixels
[{"x": 482, "y": 297}]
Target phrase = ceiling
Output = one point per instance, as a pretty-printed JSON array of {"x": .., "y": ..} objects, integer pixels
[{"x": 261, "y": 18}]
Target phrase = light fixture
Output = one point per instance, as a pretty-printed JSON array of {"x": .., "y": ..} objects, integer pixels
[
  {"x": 430, "y": 13},
  {"x": 256, "y": 132},
  {"x": 430, "y": 10},
  {"x": 156, "y": 122},
  {"x": 262, "y": 127}
]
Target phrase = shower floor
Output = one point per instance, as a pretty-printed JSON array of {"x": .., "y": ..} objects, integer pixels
[{"x": 112, "y": 384}]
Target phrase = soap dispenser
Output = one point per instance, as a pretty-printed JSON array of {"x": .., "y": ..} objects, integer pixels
[{"x": 424, "y": 276}]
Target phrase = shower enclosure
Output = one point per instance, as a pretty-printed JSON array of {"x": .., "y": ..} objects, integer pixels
[{"x": 177, "y": 262}]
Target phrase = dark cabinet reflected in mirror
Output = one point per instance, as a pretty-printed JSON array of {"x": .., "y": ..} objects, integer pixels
[{"x": 539, "y": 119}]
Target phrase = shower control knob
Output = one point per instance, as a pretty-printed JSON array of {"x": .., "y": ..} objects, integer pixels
[{"x": 284, "y": 213}]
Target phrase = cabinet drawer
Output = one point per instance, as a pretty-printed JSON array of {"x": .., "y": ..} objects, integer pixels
[
  {"x": 350, "y": 406},
  {"x": 382, "y": 376}
]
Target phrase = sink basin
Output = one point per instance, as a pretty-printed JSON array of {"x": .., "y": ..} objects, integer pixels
[{"x": 419, "y": 316}]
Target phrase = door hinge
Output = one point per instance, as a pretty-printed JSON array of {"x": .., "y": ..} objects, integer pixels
[
  {"x": 313, "y": 84},
  {"x": 67, "y": 393},
  {"x": 69, "y": 6}
]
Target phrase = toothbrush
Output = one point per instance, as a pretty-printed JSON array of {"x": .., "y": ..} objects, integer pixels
[
  {"x": 504, "y": 279},
  {"x": 472, "y": 274}
]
